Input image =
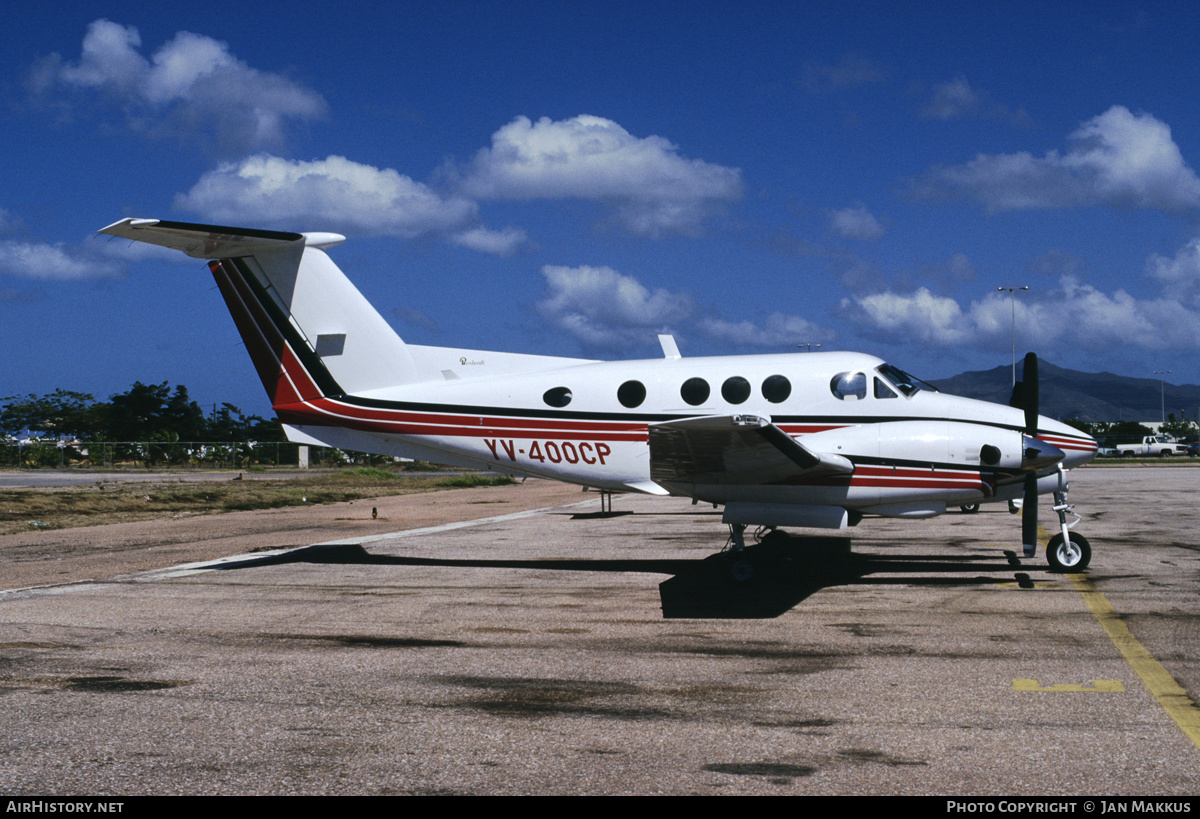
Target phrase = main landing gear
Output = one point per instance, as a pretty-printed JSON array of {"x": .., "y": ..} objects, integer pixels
[{"x": 744, "y": 562}]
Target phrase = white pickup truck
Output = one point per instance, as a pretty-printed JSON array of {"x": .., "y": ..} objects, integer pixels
[{"x": 1153, "y": 446}]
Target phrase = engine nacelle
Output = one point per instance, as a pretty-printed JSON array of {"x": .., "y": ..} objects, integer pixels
[{"x": 952, "y": 443}]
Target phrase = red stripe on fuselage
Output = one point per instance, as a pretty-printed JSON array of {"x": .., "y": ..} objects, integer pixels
[
  {"x": 329, "y": 412},
  {"x": 910, "y": 478}
]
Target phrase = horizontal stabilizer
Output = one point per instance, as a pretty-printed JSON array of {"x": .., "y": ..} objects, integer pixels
[
  {"x": 204, "y": 241},
  {"x": 733, "y": 450}
]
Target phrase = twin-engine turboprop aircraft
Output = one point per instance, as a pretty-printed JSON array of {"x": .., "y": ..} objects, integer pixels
[{"x": 812, "y": 439}]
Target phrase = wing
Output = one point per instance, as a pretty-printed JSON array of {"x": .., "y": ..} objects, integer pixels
[{"x": 732, "y": 450}]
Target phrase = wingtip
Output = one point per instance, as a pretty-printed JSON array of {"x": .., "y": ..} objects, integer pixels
[{"x": 129, "y": 222}]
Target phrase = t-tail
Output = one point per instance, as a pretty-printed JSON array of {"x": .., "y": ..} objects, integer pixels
[{"x": 309, "y": 332}]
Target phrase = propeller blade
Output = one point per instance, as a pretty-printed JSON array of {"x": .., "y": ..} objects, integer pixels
[
  {"x": 1017, "y": 401},
  {"x": 1029, "y": 515},
  {"x": 1029, "y": 393}
]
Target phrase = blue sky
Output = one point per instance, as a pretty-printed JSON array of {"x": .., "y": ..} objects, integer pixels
[{"x": 573, "y": 179}]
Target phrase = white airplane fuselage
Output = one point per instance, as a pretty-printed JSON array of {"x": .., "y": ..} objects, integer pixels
[{"x": 919, "y": 450}]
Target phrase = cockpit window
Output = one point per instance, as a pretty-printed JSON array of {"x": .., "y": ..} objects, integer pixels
[
  {"x": 849, "y": 386},
  {"x": 882, "y": 390},
  {"x": 907, "y": 384}
]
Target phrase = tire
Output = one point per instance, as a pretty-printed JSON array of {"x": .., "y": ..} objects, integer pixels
[
  {"x": 741, "y": 570},
  {"x": 1068, "y": 558},
  {"x": 969, "y": 508}
]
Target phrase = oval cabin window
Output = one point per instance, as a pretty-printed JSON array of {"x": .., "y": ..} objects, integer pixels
[
  {"x": 695, "y": 391},
  {"x": 558, "y": 396},
  {"x": 776, "y": 389},
  {"x": 735, "y": 390},
  {"x": 631, "y": 394}
]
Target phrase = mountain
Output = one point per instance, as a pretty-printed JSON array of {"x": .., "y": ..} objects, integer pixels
[{"x": 1086, "y": 396}]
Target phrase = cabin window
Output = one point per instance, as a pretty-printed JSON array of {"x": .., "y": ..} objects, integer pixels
[
  {"x": 735, "y": 390},
  {"x": 695, "y": 391},
  {"x": 557, "y": 397},
  {"x": 631, "y": 394},
  {"x": 882, "y": 390},
  {"x": 849, "y": 386},
  {"x": 776, "y": 388}
]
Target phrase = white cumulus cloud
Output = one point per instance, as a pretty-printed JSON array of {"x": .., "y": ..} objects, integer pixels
[
  {"x": 779, "y": 331},
  {"x": 856, "y": 223},
  {"x": 191, "y": 85},
  {"x": 921, "y": 316},
  {"x": 653, "y": 189},
  {"x": 1074, "y": 313},
  {"x": 1117, "y": 159},
  {"x": 1180, "y": 275},
  {"x": 610, "y": 311},
  {"x": 606, "y": 309},
  {"x": 33, "y": 260},
  {"x": 504, "y": 242},
  {"x": 326, "y": 194},
  {"x": 957, "y": 98}
]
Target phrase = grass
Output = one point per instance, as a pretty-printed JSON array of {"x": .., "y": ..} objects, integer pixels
[{"x": 24, "y": 510}]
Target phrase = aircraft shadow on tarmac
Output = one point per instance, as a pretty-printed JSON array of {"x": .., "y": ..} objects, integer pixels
[{"x": 760, "y": 582}]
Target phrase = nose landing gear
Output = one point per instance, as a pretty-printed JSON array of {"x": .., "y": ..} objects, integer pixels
[{"x": 1067, "y": 552}]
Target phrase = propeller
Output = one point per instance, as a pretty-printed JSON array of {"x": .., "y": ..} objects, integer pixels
[
  {"x": 1029, "y": 505},
  {"x": 1035, "y": 454}
]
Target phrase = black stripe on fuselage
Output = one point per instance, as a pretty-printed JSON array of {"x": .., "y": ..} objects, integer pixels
[
  {"x": 650, "y": 418},
  {"x": 870, "y": 460}
]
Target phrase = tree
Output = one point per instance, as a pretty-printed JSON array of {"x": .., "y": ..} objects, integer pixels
[
  {"x": 62, "y": 414},
  {"x": 1090, "y": 427},
  {"x": 1120, "y": 432},
  {"x": 147, "y": 410},
  {"x": 1178, "y": 428}
]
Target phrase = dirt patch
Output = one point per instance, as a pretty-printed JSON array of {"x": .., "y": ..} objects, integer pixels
[
  {"x": 45, "y": 557},
  {"x": 103, "y": 502}
]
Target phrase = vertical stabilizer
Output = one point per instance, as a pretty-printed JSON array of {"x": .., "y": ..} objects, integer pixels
[{"x": 308, "y": 330}]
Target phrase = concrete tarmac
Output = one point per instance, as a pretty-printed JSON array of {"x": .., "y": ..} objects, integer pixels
[{"x": 566, "y": 652}]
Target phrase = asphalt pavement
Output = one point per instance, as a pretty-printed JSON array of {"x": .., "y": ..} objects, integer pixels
[{"x": 564, "y": 651}]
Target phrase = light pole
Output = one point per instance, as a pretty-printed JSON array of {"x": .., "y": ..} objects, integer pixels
[
  {"x": 1162, "y": 391},
  {"x": 1012, "y": 297},
  {"x": 808, "y": 347}
]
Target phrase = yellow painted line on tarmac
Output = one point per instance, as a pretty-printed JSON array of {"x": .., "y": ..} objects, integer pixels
[
  {"x": 1097, "y": 687},
  {"x": 1162, "y": 686}
]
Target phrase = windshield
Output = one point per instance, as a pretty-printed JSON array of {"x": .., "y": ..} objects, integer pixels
[{"x": 902, "y": 381}]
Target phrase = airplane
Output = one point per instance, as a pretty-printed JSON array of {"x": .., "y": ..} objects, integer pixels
[{"x": 794, "y": 439}]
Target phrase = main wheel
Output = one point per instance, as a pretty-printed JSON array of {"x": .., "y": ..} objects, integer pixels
[
  {"x": 969, "y": 508},
  {"x": 1069, "y": 556},
  {"x": 741, "y": 570}
]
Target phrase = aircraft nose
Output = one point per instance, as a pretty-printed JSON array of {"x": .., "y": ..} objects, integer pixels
[{"x": 1036, "y": 454}]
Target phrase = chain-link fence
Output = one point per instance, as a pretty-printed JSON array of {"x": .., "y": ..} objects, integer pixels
[{"x": 197, "y": 454}]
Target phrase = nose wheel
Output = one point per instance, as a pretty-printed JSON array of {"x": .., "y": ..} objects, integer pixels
[{"x": 1068, "y": 555}]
